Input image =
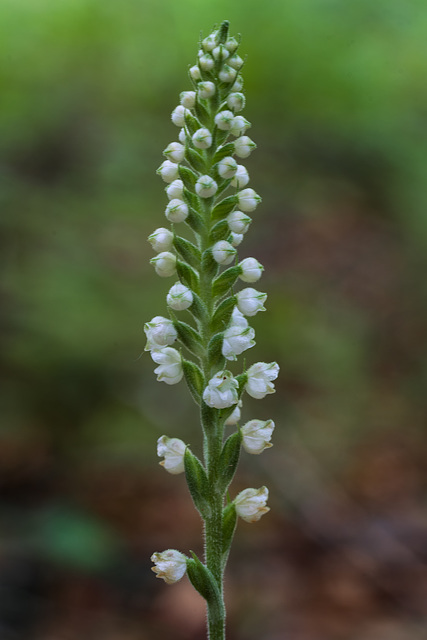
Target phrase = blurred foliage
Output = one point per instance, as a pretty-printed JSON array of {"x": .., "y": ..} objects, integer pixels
[{"x": 337, "y": 95}]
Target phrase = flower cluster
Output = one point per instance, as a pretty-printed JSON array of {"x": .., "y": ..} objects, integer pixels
[{"x": 207, "y": 193}]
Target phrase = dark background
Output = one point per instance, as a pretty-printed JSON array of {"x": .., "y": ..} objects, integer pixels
[{"x": 336, "y": 92}]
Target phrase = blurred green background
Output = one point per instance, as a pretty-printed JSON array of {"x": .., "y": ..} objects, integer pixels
[{"x": 337, "y": 95}]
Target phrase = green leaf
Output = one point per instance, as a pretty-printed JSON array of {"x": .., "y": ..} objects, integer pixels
[
  {"x": 198, "y": 483},
  {"x": 195, "y": 221},
  {"x": 202, "y": 113},
  {"x": 209, "y": 265},
  {"x": 226, "y": 150},
  {"x": 192, "y": 123},
  {"x": 223, "y": 208},
  {"x": 188, "y": 176},
  {"x": 225, "y": 281},
  {"x": 187, "y": 275},
  {"x": 204, "y": 582},
  {"x": 191, "y": 198},
  {"x": 220, "y": 231},
  {"x": 222, "y": 314},
  {"x": 194, "y": 378},
  {"x": 215, "y": 350},
  {"x": 188, "y": 251},
  {"x": 195, "y": 159},
  {"x": 189, "y": 337},
  {"x": 229, "y": 459},
  {"x": 229, "y": 521}
]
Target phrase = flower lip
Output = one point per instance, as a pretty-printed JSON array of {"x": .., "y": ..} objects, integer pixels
[{"x": 170, "y": 565}]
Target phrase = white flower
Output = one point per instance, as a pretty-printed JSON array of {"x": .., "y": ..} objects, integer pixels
[
  {"x": 220, "y": 53},
  {"x": 257, "y": 435},
  {"x": 223, "y": 252},
  {"x": 209, "y": 42},
  {"x": 164, "y": 264},
  {"x": 238, "y": 319},
  {"x": 175, "y": 190},
  {"x": 221, "y": 391},
  {"x": 206, "y": 62},
  {"x": 236, "y": 239},
  {"x": 161, "y": 239},
  {"x": 251, "y": 504},
  {"x": 195, "y": 72},
  {"x": 170, "y": 365},
  {"x": 248, "y": 200},
  {"x": 172, "y": 450},
  {"x": 235, "y": 61},
  {"x": 206, "y": 90},
  {"x": 179, "y": 297},
  {"x": 238, "y": 85},
  {"x": 250, "y": 301},
  {"x": 238, "y": 221},
  {"x": 244, "y": 146},
  {"x": 236, "y": 101},
  {"x": 178, "y": 115},
  {"x": 206, "y": 187},
  {"x": 231, "y": 44},
  {"x": 182, "y": 136},
  {"x": 224, "y": 120},
  {"x": 227, "y": 167},
  {"x": 251, "y": 270},
  {"x": 170, "y": 565},
  {"x": 168, "y": 171},
  {"x": 202, "y": 138},
  {"x": 236, "y": 340},
  {"x": 259, "y": 381},
  {"x": 160, "y": 333},
  {"x": 241, "y": 178},
  {"x": 234, "y": 417},
  {"x": 239, "y": 126},
  {"x": 175, "y": 151},
  {"x": 227, "y": 74},
  {"x": 176, "y": 210},
  {"x": 188, "y": 99}
]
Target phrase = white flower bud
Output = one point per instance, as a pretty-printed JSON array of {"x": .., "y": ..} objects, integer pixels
[
  {"x": 235, "y": 61},
  {"x": 238, "y": 85},
  {"x": 236, "y": 340},
  {"x": 161, "y": 239},
  {"x": 179, "y": 297},
  {"x": 260, "y": 376},
  {"x": 227, "y": 74},
  {"x": 182, "y": 136},
  {"x": 164, "y": 264},
  {"x": 202, "y": 138},
  {"x": 251, "y": 270},
  {"x": 168, "y": 171},
  {"x": 239, "y": 126},
  {"x": 206, "y": 62},
  {"x": 244, "y": 146},
  {"x": 248, "y": 200},
  {"x": 221, "y": 391},
  {"x": 170, "y": 365},
  {"x": 175, "y": 152},
  {"x": 172, "y": 450},
  {"x": 234, "y": 417},
  {"x": 171, "y": 565},
  {"x": 178, "y": 115},
  {"x": 206, "y": 90},
  {"x": 206, "y": 187},
  {"x": 236, "y": 239},
  {"x": 160, "y": 333},
  {"x": 220, "y": 53},
  {"x": 238, "y": 221},
  {"x": 223, "y": 252},
  {"x": 236, "y": 101},
  {"x": 241, "y": 178},
  {"x": 209, "y": 42},
  {"x": 176, "y": 210},
  {"x": 231, "y": 44},
  {"x": 227, "y": 167},
  {"x": 175, "y": 190},
  {"x": 188, "y": 99},
  {"x": 257, "y": 435},
  {"x": 238, "y": 319},
  {"x": 195, "y": 73},
  {"x": 250, "y": 301},
  {"x": 251, "y": 504},
  {"x": 224, "y": 120}
]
